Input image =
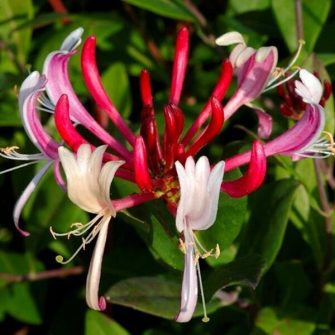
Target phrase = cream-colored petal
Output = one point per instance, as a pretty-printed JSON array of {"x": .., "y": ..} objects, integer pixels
[
  {"x": 94, "y": 273},
  {"x": 313, "y": 85},
  {"x": 105, "y": 179},
  {"x": 73, "y": 40},
  {"x": 230, "y": 38}
]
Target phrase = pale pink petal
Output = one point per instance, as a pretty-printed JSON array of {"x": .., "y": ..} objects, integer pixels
[
  {"x": 24, "y": 197},
  {"x": 56, "y": 70},
  {"x": 233, "y": 37},
  {"x": 189, "y": 291},
  {"x": 253, "y": 77},
  {"x": 295, "y": 140},
  {"x": 94, "y": 273},
  {"x": 310, "y": 88},
  {"x": 105, "y": 180},
  {"x": 264, "y": 129},
  {"x": 30, "y": 91}
]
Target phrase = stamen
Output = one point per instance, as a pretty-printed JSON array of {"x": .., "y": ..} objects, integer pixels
[
  {"x": 217, "y": 251},
  {"x": 278, "y": 73},
  {"x": 205, "y": 318},
  {"x": 46, "y": 104},
  {"x": 205, "y": 253},
  {"x": 182, "y": 246},
  {"x": 9, "y": 150},
  {"x": 11, "y": 153},
  {"x": 293, "y": 74},
  {"x": 18, "y": 167},
  {"x": 79, "y": 231},
  {"x": 322, "y": 148}
]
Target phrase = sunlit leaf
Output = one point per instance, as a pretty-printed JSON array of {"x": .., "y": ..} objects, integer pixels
[
  {"x": 116, "y": 83},
  {"x": 244, "y": 271},
  {"x": 97, "y": 323},
  {"x": 276, "y": 321},
  {"x": 314, "y": 14},
  {"x": 158, "y": 296},
  {"x": 269, "y": 216},
  {"x": 174, "y": 9}
]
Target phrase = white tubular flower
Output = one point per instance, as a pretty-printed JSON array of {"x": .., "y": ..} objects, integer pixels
[
  {"x": 88, "y": 186},
  {"x": 197, "y": 209},
  {"x": 309, "y": 88}
]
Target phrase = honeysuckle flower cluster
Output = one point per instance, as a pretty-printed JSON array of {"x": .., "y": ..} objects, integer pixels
[{"x": 162, "y": 166}]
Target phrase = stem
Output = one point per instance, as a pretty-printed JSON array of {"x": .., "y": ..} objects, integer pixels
[
  {"x": 299, "y": 21},
  {"x": 328, "y": 218},
  {"x": 43, "y": 275}
]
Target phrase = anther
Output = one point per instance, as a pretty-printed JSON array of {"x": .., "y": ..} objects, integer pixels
[{"x": 9, "y": 150}]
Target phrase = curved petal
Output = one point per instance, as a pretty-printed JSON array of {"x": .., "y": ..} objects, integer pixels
[
  {"x": 30, "y": 90},
  {"x": 211, "y": 130},
  {"x": 94, "y": 85},
  {"x": 295, "y": 140},
  {"x": 302, "y": 135},
  {"x": 232, "y": 37},
  {"x": 253, "y": 77},
  {"x": 310, "y": 88},
  {"x": 56, "y": 70},
  {"x": 20, "y": 203},
  {"x": 189, "y": 291},
  {"x": 199, "y": 193},
  {"x": 105, "y": 180},
  {"x": 219, "y": 92},
  {"x": 67, "y": 130},
  {"x": 264, "y": 121},
  {"x": 179, "y": 65},
  {"x": 94, "y": 273},
  {"x": 58, "y": 176},
  {"x": 142, "y": 175},
  {"x": 252, "y": 179}
]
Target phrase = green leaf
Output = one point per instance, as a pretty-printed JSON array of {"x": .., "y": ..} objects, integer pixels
[
  {"x": 270, "y": 207},
  {"x": 298, "y": 320},
  {"x": 12, "y": 14},
  {"x": 97, "y": 323},
  {"x": 228, "y": 224},
  {"x": 162, "y": 238},
  {"x": 248, "y": 6},
  {"x": 9, "y": 113},
  {"x": 173, "y": 9},
  {"x": 300, "y": 216},
  {"x": 326, "y": 58},
  {"x": 158, "y": 296},
  {"x": 50, "y": 206},
  {"x": 21, "y": 296},
  {"x": 315, "y": 13},
  {"x": 285, "y": 16},
  {"x": 154, "y": 295},
  {"x": 116, "y": 83},
  {"x": 243, "y": 271},
  {"x": 292, "y": 282}
]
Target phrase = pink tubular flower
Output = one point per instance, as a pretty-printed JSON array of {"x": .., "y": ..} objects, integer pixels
[
  {"x": 30, "y": 93},
  {"x": 161, "y": 166},
  {"x": 254, "y": 69},
  {"x": 304, "y": 139}
]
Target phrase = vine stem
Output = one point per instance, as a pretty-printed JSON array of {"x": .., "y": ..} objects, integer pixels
[
  {"x": 43, "y": 275},
  {"x": 328, "y": 218},
  {"x": 299, "y": 21}
]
